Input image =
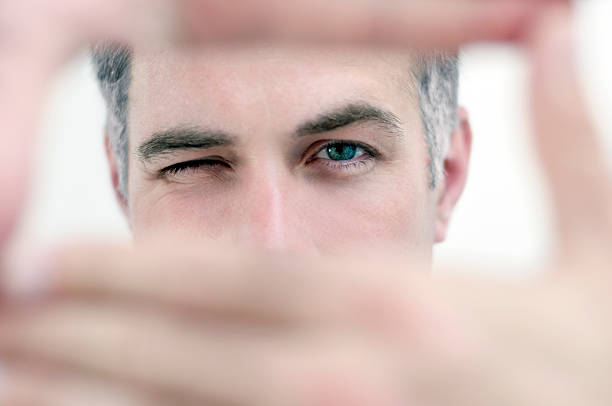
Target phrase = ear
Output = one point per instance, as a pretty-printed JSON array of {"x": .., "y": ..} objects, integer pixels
[
  {"x": 114, "y": 172},
  {"x": 456, "y": 166}
]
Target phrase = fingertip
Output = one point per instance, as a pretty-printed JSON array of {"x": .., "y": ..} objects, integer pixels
[
  {"x": 552, "y": 36},
  {"x": 26, "y": 276}
]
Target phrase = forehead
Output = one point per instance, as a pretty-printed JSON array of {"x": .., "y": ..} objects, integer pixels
[{"x": 263, "y": 88}]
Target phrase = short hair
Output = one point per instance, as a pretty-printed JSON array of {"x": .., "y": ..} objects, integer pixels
[{"x": 436, "y": 76}]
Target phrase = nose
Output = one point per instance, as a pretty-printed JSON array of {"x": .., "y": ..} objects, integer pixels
[{"x": 271, "y": 217}]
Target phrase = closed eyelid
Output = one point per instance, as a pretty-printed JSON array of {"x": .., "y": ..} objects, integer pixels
[{"x": 192, "y": 165}]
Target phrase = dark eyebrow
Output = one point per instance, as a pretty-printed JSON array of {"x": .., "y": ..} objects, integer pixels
[
  {"x": 351, "y": 114},
  {"x": 196, "y": 137},
  {"x": 181, "y": 138}
]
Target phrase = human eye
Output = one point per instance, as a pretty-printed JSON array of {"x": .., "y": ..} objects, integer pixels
[
  {"x": 195, "y": 167},
  {"x": 346, "y": 156}
]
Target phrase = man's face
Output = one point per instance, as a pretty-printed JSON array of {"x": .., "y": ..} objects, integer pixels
[{"x": 282, "y": 149}]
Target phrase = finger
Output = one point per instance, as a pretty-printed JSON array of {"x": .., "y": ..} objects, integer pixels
[
  {"x": 141, "y": 349},
  {"x": 420, "y": 23},
  {"x": 31, "y": 51},
  {"x": 382, "y": 293},
  {"x": 567, "y": 141},
  {"x": 210, "y": 365},
  {"x": 18, "y": 105},
  {"x": 25, "y": 384}
]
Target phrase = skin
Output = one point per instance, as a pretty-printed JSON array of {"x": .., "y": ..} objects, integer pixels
[
  {"x": 272, "y": 191},
  {"x": 187, "y": 323}
]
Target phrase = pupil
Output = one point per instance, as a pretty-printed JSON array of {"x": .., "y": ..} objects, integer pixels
[{"x": 342, "y": 152}]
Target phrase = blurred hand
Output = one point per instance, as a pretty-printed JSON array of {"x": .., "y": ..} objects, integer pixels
[{"x": 170, "y": 325}]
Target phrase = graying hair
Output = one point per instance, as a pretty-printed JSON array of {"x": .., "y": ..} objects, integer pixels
[
  {"x": 436, "y": 76},
  {"x": 113, "y": 67}
]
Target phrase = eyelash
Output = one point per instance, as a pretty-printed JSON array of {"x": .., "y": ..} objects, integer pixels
[
  {"x": 218, "y": 163},
  {"x": 183, "y": 168}
]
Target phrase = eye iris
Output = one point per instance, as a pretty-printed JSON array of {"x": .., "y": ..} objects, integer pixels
[{"x": 341, "y": 152}]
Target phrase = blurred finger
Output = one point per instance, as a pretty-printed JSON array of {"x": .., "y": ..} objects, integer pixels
[
  {"x": 212, "y": 365},
  {"x": 420, "y": 23},
  {"x": 23, "y": 88},
  {"x": 571, "y": 155},
  {"x": 25, "y": 385},
  {"x": 348, "y": 290},
  {"x": 121, "y": 344}
]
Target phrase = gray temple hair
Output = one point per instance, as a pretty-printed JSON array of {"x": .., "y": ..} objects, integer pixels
[{"x": 436, "y": 76}]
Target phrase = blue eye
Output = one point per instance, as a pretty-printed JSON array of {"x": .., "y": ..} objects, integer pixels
[{"x": 341, "y": 152}]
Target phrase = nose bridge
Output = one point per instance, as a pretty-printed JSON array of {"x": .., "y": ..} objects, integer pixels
[{"x": 267, "y": 217}]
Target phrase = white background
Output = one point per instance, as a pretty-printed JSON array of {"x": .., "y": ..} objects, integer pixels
[{"x": 503, "y": 216}]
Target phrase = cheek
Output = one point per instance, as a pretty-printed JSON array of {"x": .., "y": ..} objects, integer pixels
[
  {"x": 166, "y": 211},
  {"x": 393, "y": 211}
]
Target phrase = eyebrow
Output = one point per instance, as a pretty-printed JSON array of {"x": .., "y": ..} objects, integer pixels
[
  {"x": 351, "y": 114},
  {"x": 195, "y": 137},
  {"x": 182, "y": 138}
]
